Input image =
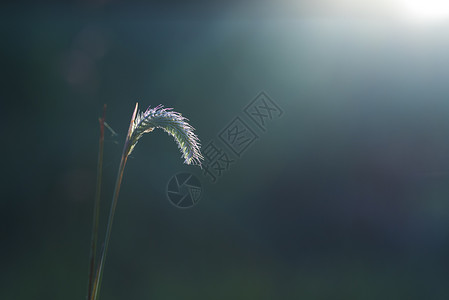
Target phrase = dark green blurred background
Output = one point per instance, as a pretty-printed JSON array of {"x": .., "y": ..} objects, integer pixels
[{"x": 346, "y": 196}]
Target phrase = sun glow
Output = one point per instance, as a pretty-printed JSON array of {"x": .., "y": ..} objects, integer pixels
[{"x": 426, "y": 10}]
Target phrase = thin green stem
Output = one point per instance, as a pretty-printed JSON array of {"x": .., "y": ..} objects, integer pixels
[
  {"x": 118, "y": 182},
  {"x": 100, "y": 270},
  {"x": 96, "y": 211}
]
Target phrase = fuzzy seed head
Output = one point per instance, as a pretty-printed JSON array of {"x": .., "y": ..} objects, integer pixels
[{"x": 174, "y": 124}]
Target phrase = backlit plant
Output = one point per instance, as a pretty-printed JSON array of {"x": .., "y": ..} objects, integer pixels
[{"x": 141, "y": 122}]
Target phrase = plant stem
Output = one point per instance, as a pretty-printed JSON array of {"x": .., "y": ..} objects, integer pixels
[
  {"x": 96, "y": 212},
  {"x": 118, "y": 182}
]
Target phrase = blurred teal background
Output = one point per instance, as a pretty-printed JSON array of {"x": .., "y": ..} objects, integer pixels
[{"x": 345, "y": 196}]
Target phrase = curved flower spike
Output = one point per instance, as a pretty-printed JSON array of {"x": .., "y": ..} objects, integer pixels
[
  {"x": 171, "y": 122},
  {"x": 158, "y": 117}
]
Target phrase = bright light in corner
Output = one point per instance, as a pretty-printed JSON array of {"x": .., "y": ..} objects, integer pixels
[{"x": 426, "y": 10}]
